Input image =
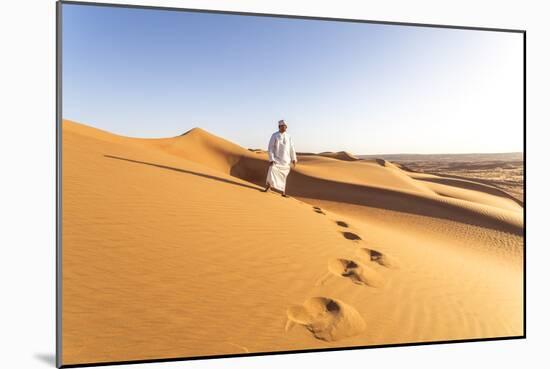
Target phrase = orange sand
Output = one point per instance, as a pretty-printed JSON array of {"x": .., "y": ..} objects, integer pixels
[{"x": 170, "y": 250}]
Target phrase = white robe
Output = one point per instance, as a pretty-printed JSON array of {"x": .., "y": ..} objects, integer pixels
[{"x": 281, "y": 152}]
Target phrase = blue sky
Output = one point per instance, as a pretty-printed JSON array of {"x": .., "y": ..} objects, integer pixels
[{"x": 364, "y": 88}]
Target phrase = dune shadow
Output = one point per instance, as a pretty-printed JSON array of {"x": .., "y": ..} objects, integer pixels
[
  {"x": 484, "y": 186},
  {"x": 381, "y": 162},
  {"x": 300, "y": 185},
  {"x": 46, "y": 358},
  {"x": 224, "y": 180},
  {"x": 304, "y": 186},
  {"x": 251, "y": 169}
]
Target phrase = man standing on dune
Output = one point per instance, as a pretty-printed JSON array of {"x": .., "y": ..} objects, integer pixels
[{"x": 281, "y": 154}]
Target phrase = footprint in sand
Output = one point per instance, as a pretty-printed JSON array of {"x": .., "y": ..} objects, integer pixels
[
  {"x": 318, "y": 210},
  {"x": 355, "y": 271},
  {"x": 342, "y": 224},
  {"x": 327, "y": 319},
  {"x": 351, "y": 236},
  {"x": 377, "y": 257}
]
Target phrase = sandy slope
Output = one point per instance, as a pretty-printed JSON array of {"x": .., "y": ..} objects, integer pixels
[
  {"x": 340, "y": 155},
  {"x": 171, "y": 250}
]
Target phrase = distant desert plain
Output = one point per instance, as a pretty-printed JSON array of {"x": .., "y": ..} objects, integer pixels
[
  {"x": 170, "y": 249},
  {"x": 503, "y": 170}
]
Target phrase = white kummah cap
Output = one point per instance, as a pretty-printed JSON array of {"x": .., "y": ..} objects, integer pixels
[{"x": 282, "y": 123}]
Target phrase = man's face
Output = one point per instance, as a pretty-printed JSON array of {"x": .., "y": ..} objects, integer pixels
[{"x": 282, "y": 128}]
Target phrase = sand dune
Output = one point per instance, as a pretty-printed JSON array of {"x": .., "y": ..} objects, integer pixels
[
  {"x": 171, "y": 250},
  {"x": 340, "y": 155},
  {"x": 503, "y": 172}
]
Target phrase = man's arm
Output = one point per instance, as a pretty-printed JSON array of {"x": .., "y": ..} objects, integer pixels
[{"x": 293, "y": 152}]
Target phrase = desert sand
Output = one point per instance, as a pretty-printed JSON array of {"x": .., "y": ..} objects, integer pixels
[
  {"x": 503, "y": 170},
  {"x": 171, "y": 250}
]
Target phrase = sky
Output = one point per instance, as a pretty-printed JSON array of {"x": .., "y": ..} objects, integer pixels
[{"x": 359, "y": 87}]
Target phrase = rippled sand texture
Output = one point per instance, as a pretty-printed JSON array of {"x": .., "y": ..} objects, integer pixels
[{"x": 171, "y": 250}]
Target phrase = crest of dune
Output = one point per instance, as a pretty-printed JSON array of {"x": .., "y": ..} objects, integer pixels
[{"x": 340, "y": 155}]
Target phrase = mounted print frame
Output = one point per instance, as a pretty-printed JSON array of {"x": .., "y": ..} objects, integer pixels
[{"x": 238, "y": 184}]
